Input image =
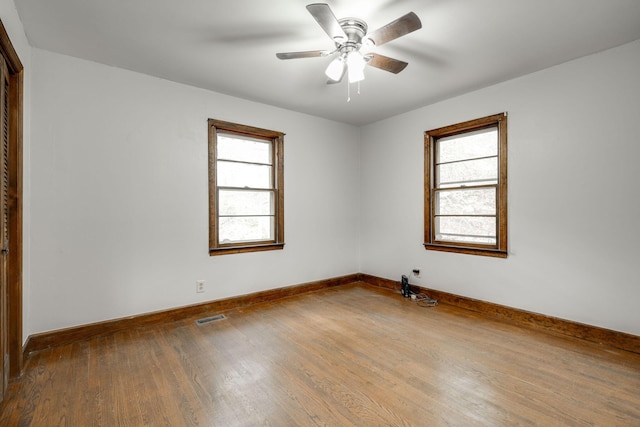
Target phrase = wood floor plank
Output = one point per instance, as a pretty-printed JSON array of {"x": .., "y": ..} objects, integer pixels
[{"x": 351, "y": 355}]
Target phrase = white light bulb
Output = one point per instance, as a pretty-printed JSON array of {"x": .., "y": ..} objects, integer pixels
[
  {"x": 335, "y": 69},
  {"x": 355, "y": 64}
]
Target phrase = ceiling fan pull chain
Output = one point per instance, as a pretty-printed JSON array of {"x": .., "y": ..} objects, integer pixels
[{"x": 348, "y": 92}]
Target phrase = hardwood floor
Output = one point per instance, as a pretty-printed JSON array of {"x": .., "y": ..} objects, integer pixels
[{"x": 350, "y": 355}]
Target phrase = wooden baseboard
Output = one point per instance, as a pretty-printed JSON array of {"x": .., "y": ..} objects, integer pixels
[
  {"x": 58, "y": 337},
  {"x": 596, "y": 334},
  {"x": 621, "y": 340}
]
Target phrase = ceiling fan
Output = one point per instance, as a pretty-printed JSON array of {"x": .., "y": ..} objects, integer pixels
[{"x": 353, "y": 43}]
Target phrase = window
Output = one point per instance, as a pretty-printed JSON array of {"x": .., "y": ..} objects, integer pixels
[
  {"x": 246, "y": 188},
  {"x": 465, "y": 187}
]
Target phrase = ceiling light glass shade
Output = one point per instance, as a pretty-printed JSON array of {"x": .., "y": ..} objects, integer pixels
[
  {"x": 355, "y": 64},
  {"x": 335, "y": 69}
]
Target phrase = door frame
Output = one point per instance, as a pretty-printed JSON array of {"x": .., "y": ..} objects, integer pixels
[{"x": 14, "y": 258}]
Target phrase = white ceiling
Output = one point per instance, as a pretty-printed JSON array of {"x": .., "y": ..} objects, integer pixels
[{"x": 229, "y": 46}]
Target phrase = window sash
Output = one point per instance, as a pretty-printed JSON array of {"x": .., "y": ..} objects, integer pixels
[
  {"x": 489, "y": 240},
  {"x": 227, "y": 218},
  {"x": 249, "y": 173}
]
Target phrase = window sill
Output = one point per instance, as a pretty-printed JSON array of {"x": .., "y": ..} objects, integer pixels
[
  {"x": 248, "y": 248},
  {"x": 467, "y": 250}
]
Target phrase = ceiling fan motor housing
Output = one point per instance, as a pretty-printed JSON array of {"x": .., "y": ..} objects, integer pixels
[{"x": 355, "y": 29}]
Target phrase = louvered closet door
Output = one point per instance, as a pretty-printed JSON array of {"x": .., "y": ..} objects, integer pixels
[{"x": 4, "y": 226}]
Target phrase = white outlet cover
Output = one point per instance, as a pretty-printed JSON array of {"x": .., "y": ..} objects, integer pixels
[{"x": 200, "y": 285}]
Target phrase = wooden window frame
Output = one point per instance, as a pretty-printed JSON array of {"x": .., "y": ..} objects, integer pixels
[
  {"x": 430, "y": 141},
  {"x": 277, "y": 152}
]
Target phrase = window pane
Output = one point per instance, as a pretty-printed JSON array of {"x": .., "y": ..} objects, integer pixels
[
  {"x": 243, "y": 175},
  {"x": 469, "y": 145},
  {"x": 232, "y": 202},
  {"x": 481, "y": 201},
  {"x": 245, "y": 229},
  {"x": 466, "y": 229},
  {"x": 244, "y": 149},
  {"x": 470, "y": 172}
]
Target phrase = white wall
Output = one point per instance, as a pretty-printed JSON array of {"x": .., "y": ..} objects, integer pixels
[
  {"x": 13, "y": 25},
  {"x": 120, "y": 198},
  {"x": 574, "y": 186},
  {"x": 117, "y": 168}
]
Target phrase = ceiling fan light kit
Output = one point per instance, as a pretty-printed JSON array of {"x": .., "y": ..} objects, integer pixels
[
  {"x": 352, "y": 44},
  {"x": 355, "y": 66},
  {"x": 335, "y": 70}
]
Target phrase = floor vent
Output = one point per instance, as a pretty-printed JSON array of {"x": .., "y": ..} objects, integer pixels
[{"x": 210, "y": 319}]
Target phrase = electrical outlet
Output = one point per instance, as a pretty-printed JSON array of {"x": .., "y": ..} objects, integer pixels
[
  {"x": 199, "y": 286},
  {"x": 416, "y": 272}
]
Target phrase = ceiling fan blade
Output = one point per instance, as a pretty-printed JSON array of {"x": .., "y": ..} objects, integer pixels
[
  {"x": 385, "y": 63},
  {"x": 398, "y": 28},
  {"x": 327, "y": 20},
  {"x": 306, "y": 54}
]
